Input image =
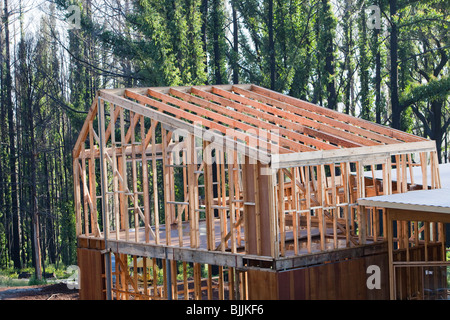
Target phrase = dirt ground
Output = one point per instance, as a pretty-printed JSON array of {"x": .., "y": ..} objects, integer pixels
[{"x": 58, "y": 291}]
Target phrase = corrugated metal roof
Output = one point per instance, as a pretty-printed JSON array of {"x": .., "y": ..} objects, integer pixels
[{"x": 435, "y": 200}]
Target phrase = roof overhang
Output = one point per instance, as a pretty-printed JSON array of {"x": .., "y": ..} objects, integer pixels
[{"x": 428, "y": 201}]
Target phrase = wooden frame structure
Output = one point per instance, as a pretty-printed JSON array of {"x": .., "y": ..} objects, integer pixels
[{"x": 218, "y": 187}]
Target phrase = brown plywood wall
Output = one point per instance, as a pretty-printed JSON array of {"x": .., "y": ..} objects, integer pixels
[
  {"x": 92, "y": 283},
  {"x": 344, "y": 280}
]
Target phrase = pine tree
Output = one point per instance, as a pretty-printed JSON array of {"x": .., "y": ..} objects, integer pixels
[
  {"x": 15, "y": 252},
  {"x": 394, "y": 95},
  {"x": 216, "y": 44},
  {"x": 364, "y": 63}
]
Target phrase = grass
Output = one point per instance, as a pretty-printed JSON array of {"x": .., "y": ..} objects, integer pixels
[
  {"x": 10, "y": 277},
  {"x": 448, "y": 268},
  {"x": 10, "y": 282}
]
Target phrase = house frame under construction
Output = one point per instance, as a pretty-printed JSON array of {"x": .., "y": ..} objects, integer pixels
[{"x": 240, "y": 192}]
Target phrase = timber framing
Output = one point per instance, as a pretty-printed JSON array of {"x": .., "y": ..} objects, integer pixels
[{"x": 225, "y": 179}]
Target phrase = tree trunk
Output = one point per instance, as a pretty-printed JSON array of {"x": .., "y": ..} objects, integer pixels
[
  {"x": 329, "y": 66},
  {"x": 376, "y": 46},
  {"x": 35, "y": 213},
  {"x": 363, "y": 64},
  {"x": 15, "y": 250},
  {"x": 51, "y": 249},
  {"x": 204, "y": 13},
  {"x": 235, "y": 44},
  {"x": 347, "y": 29},
  {"x": 377, "y": 80},
  {"x": 2, "y": 134},
  {"x": 271, "y": 45},
  {"x": 436, "y": 126},
  {"x": 396, "y": 109},
  {"x": 216, "y": 44}
]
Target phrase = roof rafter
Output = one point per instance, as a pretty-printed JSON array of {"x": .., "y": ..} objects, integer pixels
[
  {"x": 259, "y": 120},
  {"x": 364, "y": 124}
]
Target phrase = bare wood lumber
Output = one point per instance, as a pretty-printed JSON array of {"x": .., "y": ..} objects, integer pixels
[
  {"x": 145, "y": 184},
  {"x": 85, "y": 129},
  {"x": 155, "y": 183},
  {"x": 105, "y": 207},
  {"x": 77, "y": 196},
  {"x": 174, "y": 122},
  {"x": 308, "y": 126},
  {"x": 261, "y": 115},
  {"x": 295, "y": 208},
  {"x": 346, "y": 155},
  {"x": 207, "y": 167},
  {"x": 397, "y": 134},
  {"x": 232, "y": 197},
  {"x": 204, "y": 121},
  {"x": 281, "y": 214},
  {"x": 208, "y": 113}
]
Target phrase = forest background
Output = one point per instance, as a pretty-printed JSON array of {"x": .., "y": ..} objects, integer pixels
[{"x": 384, "y": 61}]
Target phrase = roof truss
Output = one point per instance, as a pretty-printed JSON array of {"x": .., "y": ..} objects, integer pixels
[{"x": 263, "y": 121}]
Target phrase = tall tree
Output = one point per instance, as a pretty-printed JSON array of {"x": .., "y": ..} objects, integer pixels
[
  {"x": 330, "y": 23},
  {"x": 235, "y": 52},
  {"x": 325, "y": 24},
  {"x": 364, "y": 63},
  {"x": 3, "y": 253},
  {"x": 217, "y": 43},
  {"x": 271, "y": 44},
  {"x": 15, "y": 252},
  {"x": 395, "y": 104}
]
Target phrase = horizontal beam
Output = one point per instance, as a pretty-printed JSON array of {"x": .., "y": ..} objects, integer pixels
[
  {"x": 218, "y": 258},
  {"x": 422, "y": 213},
  {"x": 348, "y": 155},
  {"x": 331, "y": 255},
  {"x": 143, "y": 90},
  {"x": 242, "y": 261},
  {"x": 129, "y": 150},
  {"x": 421, "y": 263}
]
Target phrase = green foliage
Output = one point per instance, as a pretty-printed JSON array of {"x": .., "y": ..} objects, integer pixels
[
  {"x": 169, "y": 49},
  {"x": 325, "y": 25},
  {"x": 36, "y": 282},
  {"x": 435, "y": 89},
  {"x": 423, "y": 54}
]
